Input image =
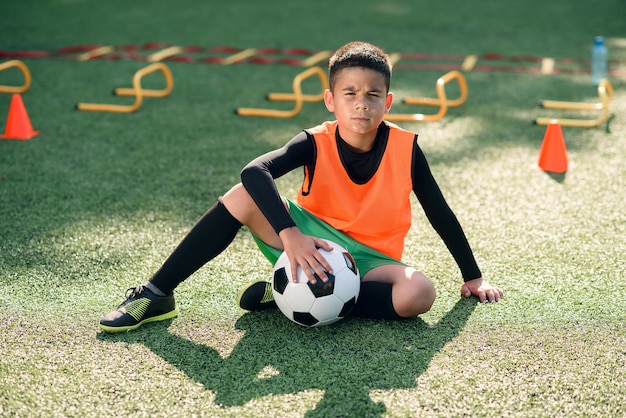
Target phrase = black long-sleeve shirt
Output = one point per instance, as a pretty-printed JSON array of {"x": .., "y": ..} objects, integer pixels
[{"x": 258, "y": 179}]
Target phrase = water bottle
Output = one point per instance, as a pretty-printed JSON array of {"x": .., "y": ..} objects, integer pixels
[{"x": 599, "y": 60}]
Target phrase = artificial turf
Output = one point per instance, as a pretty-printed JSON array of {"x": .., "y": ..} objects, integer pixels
[{"x": 96, "y": 201}]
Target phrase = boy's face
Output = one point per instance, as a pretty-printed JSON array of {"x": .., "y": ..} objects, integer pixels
[{"x": 359, "y": 100}]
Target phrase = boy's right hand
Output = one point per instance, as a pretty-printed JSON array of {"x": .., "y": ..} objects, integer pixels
[{"x": 302, "y": 251}]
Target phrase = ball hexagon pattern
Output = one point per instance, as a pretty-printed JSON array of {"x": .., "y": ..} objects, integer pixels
[{"x": 312, "y": 305}]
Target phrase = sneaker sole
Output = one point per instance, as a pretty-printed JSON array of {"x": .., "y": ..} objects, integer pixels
[{"x": 163, "y": 317}]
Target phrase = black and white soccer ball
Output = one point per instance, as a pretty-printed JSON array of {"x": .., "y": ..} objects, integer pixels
[{"x": 313, "y": 305}]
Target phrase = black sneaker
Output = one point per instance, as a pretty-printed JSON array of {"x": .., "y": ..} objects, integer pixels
[
  {"x": 256, "y": 296},
  {"x": 140, "y": 307}
]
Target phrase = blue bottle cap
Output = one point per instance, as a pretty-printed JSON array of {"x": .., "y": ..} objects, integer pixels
[{"x": 599, "y": 40}]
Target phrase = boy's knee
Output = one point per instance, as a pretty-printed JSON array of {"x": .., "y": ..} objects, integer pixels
[
  {"x": 243, "y": 208},
  {"x": 417, "y": 298},
  {"x": 239, "y": 203},
  {"x": 427, "y": 295}
]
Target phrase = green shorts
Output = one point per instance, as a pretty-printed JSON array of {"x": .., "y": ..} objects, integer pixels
[{"x": 366, "y": 258}]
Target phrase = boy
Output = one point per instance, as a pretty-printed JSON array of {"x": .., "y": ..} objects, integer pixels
[{"x": 368, "y": 166}]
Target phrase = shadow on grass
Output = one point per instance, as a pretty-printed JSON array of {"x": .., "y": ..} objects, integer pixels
[
  {"x": 558, "y": 177},
  {"x": 275, "y": 357}
]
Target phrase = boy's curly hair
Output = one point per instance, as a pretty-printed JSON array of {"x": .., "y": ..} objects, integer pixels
[{"x": 359, "y": 54}]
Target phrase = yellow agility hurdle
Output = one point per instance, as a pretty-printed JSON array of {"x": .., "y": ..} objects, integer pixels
[
  {"x": 605, "y": 92},
  {"x": 297, "y": 96},
  {"x": 442, "y": 100},
  {"x": 136, "y": 91},
  {"x": 25, "y": 72},
  {"x": 311, "y": 98},
  {"x": 95, "y": 53}
]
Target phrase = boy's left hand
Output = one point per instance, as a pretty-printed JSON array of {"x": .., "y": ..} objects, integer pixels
[{"x": 483, "y": 290}]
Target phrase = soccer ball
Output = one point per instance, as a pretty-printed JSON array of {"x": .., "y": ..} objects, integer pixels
[{"x": 312, "y": 305}]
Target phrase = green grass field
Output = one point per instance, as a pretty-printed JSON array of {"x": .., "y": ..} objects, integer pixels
[{"x": 95, "y": 202}]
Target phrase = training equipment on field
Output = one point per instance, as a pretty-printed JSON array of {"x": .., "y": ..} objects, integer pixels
[
  {"x": 25, "y": 72},
  {"x": 441, "y": 100},
  {"x": 313, "y": 305},
  {"x": 137, "y": 91},
  {"x": 18, "y": 123},
  {"x": 605, "y": 92},
  {"x": 553, "y": 152},
  {"x": 299, "y": 98},
  {"x": 296, "y": 96},
  {"x": 303, "y": 57}
]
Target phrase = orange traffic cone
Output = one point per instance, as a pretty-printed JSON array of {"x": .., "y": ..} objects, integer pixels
[
  {"x": 553, "y": 154},
  {"x": 18, "y": 124}
]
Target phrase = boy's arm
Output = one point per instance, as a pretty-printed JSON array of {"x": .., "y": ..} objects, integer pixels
[
  {"x": 259, "y": 174},
  {"x": 258, "y": 179},
  {"x": 445, "y": 222},
  {"x": 441, "y": 217}
]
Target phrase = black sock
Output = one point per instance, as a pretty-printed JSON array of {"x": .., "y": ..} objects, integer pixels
[
  {"x": 375, "y": 302},
  {"x": 207, "y": 239}
]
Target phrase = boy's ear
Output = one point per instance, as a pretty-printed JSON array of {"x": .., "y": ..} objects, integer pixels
[
  {"x": 388, "y": 102},
  {"x": 328, "y": 100}
]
